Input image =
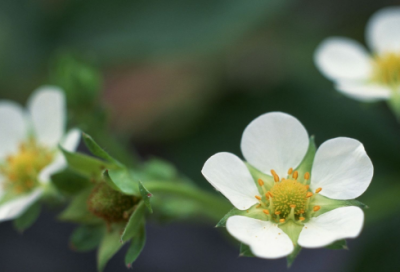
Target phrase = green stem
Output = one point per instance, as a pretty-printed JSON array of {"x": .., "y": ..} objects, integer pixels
[{"x": 214, "y": 206}]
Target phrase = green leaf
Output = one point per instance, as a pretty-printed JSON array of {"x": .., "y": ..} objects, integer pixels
[
  {"x": 69, "y": 182},
  {"x": 85, "y": 165},
  {"x": 109, "y": 245},
  {"x": 107, "y": 179},
  {"x": 29, "y": 217},
  {"x": 307, "y": 162},
  {"x": 136, "y": 246},
  {"x": 98, "y": 151},
  {"x": 86, "y": 237},
  {"x": 77, "y": 210},
  {"x": 145, "y": 196},
  {"x": 290, "y": 258},
  {"x": 124, "y": 181},
  {"x": 251, "y": 212},
  {"x": 132, "y": 227},
  {"x": 340, "y": 244},
  {"x": 328, "y": 204},
  {"x": 160, "y": 169},
  {"x": 245, "y": 251}
]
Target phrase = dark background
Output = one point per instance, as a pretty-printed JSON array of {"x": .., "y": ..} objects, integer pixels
[{"x": 182, "y": 79}]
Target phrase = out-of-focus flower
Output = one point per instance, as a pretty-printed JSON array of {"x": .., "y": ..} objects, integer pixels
[
  {"x": 356, "y": 72},
  {"x": 29, "y": 152},
  {"x": 280, "y": 204}
]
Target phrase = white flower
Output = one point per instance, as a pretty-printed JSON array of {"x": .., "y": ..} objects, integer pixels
[
  {"x": 29, "y": 152},
  {"x": 273, "y": 144},
  {"x": 355, "y": 72}
]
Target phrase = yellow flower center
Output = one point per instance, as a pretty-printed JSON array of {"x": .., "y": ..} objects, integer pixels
[
  {"x": 21, "y": 170},
  {"x": 287, "y": 193},
  {"x": 387, "y": 69}
]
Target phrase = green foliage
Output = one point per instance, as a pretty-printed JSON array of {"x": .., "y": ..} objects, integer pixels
[
  {"x": 86, "y": 237},
  {"x": 29, "y": 217},
  {"x": 136, "y": 246},
  {"x": 98, "y": 151},
  {"x": 69, "y": 182},
  {"x": 340, "y": 244},
  {"x": 124, "y": 181},
  {"x": 146, "y": 195},
  {"x": 109, "y": 245},
  {"x": 245, "y": 251},
  {"x": 133, "y": 225},
  {"x": 290, "y": 258}
]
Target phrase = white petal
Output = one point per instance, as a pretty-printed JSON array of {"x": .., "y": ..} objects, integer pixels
[
  {"x": 71, "y": 140},
  {"x": 341, "y": 223},
  {"x": 229, "y": 175},
  {"x": 265, "y": 239},
  {"x": 47, "y": 108},
  {"x": 364, "y": 91},
  {"x": 342, "y": 58},
  {"x": 342, "y": 169},
  {"x": 383, "y": 30},
  {"x": 275, "y": 141},
  {"x": 16, "y": 207},
  {"x": 13, "y": 128},
  {"x": 56, "y": 166}
]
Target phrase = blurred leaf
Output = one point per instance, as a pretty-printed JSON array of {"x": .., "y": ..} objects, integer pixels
[
  {"x": 124, "y": 181},
  {"x": 132, "y": 227},
  {"x": 306, "y": 164},
  {"x": 86, "y": 237},
  {"x": 85, "y": 165},
  {"x": 136, "y": 246},
  {"x": 160, "y": 169},
  {"x": 341, "y": 244},
  {"x": 77, "y": 210},
  {"x": 290, "y": 258},
  {"x": 145, "y": 196},
  {"x": 245, "y": 251},
  {"x": 98, "y": 151},
  {"x": 107, "y": 179},
  {"x": 29, "y": 217},
  {"x": 108, "y": 247},
  {"x": 69, "y": 182}
]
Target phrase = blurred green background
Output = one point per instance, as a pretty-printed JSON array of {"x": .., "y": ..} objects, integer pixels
[{"x": 182, "y": 79}]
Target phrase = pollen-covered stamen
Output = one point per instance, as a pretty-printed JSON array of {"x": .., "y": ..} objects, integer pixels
[
  {"x": 318, "y": 190},
  {"x": 260, "y": 182},
  {"x": 258, "y": 197},
  {"x": 21, "y": 170},
  {"x": 295, "y": 175},
  {"x": 307, "y": 176},
  {"x": 276, "y": 177},
  {"x": 290, "y": 171},
  {"x": 316, "y": 208},
  {"x": 266, "y": 212},
  {"x": 309, "y": 194},
  {"x": 386, "y": 69}
]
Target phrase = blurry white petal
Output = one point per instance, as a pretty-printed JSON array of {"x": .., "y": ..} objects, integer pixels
[
  {"x": 47, "y": 109},
  {"x": 229, "y": 175},
  {"x": 364, "y": 92},
  {"x": 275, "y": 141},
  {"x": 13, "y": 128},
  {"x": 341, "y": 223},
  {"x": 265, "y": 239},
  {"x": 56, "y": 166},
  {"x": 383, "y": 30},
  {"x": 14, "y": 208},
  {"x": 342, "y": 58},
  {"x": 71, "y": 140},
  {"x": 341, "y": 168}
]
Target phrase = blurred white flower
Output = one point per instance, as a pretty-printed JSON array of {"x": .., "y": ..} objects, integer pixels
[
  {"x": 29, "y": 152},
  {"x": 359, "y": 74},
  {"x": 275, "y": 144}
]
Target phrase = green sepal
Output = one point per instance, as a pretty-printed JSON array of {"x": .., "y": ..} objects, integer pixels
[
  {"x": 124, "y": 181},
  {"x": 307, "y": 162},
  {"x": 133, "y": 225},
  {"x": 256, "y": 174},
  {"x": 107, "y": 179},
  {"x": 29, "y": 217},
  {"x": 69, "y": 182},
  {"x": 328, "y": 204},
  {"x": 340, "y": 244},
  {"x": 98, "y": 151},
  {"x": 146, "y": 195},
  {"x": 290, "y": 258},
  {"x": 245, "y": 251},
  {"x": 85, "y": 165},
  {"x": 86, "y": 237},
  {"x": 77, "y": 211},
  {"x": 136, "y": 246},
  {"x": 109, "y": 245},
  {"x": 251, "y": 212}
]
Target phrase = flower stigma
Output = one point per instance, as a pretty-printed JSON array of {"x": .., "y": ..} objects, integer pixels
[
  {"x": 386, "y": 69},
  {"x": 21, "y": 169}
]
